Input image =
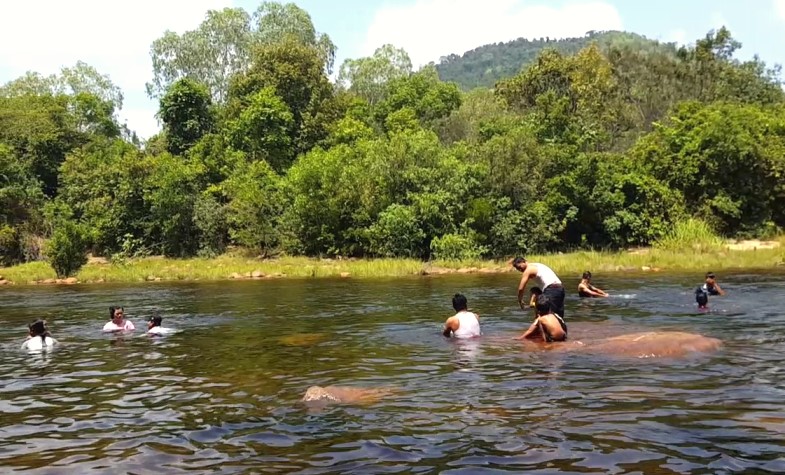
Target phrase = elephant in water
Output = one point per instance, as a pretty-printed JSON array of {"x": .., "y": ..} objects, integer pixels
[{"x": 344, "y": 395}]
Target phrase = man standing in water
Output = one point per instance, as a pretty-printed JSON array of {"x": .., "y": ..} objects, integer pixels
[{"x": 547, "y": 279}]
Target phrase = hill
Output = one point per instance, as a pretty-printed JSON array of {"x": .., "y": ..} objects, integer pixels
[{"x": 484, "y": 66}]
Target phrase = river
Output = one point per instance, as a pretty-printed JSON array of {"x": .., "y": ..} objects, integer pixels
[{"x": 223, "y": 394}]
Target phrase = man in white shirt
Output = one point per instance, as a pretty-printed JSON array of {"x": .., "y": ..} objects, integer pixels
[
  {"x": 547, "y": 280},
  {"x": 464, "y": 324}
]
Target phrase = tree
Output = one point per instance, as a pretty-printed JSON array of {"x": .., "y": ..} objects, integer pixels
[
  {"x": 368, "y": 77},
  {"x": 222, "y": 46},
  {"x": 295, "y": 73},
  {"x": 276, "y": 22},
  {"x": 186, "y": 113},
  {"x": 67, "y": 250},
  {"x": 263, "y": 129},
  {"x": 423, "y": 93}
]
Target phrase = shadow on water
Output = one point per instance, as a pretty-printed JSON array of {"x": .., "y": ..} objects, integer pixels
[{"x": 223, "y": 395}]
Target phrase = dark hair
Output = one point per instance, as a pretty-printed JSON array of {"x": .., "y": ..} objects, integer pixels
[
  {"x": 38, "y": 328},
  {"x": 156, "y": 319},
  {"x": 543, "y": 305},
  {"x": 701, "y": 297},
  {"x": 518, "y": 261},
  {"x": 112, "y": 310},
  {"x": 536, "y": 291},
  {"x": 587, "y": 275},
  {"x": 710, "y": 275},
  {"x": 459, "y": 302}
]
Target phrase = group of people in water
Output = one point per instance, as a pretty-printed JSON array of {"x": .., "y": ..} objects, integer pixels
[
  {"x": 39, "y": 337},
  {"x": 547, "y": 300}
]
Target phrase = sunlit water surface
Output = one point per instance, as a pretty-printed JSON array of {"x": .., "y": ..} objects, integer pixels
[{"x": 223, "y": 394}]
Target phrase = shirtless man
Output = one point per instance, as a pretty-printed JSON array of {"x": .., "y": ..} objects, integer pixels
[
  {"x": 585, "y": 289},
  {"x": 548, "y": 281},
  {"x": 464, "y": 324},
  {"x": 547, "y": 326}
]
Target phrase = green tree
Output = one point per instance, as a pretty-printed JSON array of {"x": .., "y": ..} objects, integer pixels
[
  {"x": 67, "y": 249},
  {"x": 368, "y": 77},
  {"x": 186, "y": 113}
]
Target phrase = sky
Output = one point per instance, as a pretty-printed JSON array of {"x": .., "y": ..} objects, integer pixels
[{"x": 114, "y": 36}]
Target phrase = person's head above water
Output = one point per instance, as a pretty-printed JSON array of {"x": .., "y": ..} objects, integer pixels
[
  {"x": 116, "y": 313},
  {"x": 154, "y": 321},
  {"x": 543, "y": 305},
  {"x": 587, "y": 275},
  {"x": 519, "y": 263},
  {"x": 38, "y": 328},
  {"x": 459, "y": 303},
  {"x": 710, "y": 277}
]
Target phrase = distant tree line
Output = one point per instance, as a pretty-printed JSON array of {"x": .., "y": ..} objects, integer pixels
[{"x": 603, "y": 147}]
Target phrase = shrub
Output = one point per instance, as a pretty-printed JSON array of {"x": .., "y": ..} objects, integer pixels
[
  {"x": 67, "y": 250},
  {"x": 456, "y": 247}
]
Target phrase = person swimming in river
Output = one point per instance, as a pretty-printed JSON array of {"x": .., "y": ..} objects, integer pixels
[
  {"x": 464, "y": 324},
  {"x": 39, "y": 337},
  {"x": 547, "y": 326},
  {"x": 586, "y": 289},
  {"x": 154, "y": 326},
  {"x": 710, "y": 285},
  {"x": 118, "y": 321}
]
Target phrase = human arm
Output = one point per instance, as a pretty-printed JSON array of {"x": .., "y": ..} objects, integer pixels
[
  {"x": 524, "y": 280},
  {"x": 450, "y": 326},
  {"x": 534, "y": 327},
  {"x": 718, "y": 289},
  {"x": 594, "y": 291},
  {"x": 129, "y": 325}
]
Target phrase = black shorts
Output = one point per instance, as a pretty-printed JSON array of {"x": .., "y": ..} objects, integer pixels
[{"x": 555, "y": 294}]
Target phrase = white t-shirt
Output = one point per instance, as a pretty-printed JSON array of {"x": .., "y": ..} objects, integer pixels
[
  {"x": 113, "y": 327},
  {"x": 545, "y": 275},
  {"x": 160, "y": 331},
  {"x": 469, "y": 325},
  {"x": 35, "y": 343}
]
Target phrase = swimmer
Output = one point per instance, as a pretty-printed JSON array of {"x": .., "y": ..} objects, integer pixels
[
  {"x": 547, "y": 279},
  {"x": 39, "y": 337},
  {"x": 585, "y": 289},
  {"x": 464, "y": 324},
  {"x": 118, "y": 321},
  {"x": 710, "y": 286},
  {"x": 154, "y": 326},
  {"x": 548, "y": 326}
]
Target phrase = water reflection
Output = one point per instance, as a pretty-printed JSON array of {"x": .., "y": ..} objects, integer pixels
[{"x": 224, "y": 393}]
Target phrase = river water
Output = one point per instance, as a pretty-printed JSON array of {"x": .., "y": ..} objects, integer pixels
[{"x": 223, "y": 394}]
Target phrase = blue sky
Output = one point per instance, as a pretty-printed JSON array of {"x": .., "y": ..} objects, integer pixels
[{"x": 115, "y": 36}]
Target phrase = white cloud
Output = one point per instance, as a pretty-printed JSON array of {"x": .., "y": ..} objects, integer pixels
[
  {"x": 429, "y": 29},
  {"x": 113, "y": 36}
]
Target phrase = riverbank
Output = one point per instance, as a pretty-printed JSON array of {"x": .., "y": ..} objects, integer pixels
[{"x": 769, "y": 254}]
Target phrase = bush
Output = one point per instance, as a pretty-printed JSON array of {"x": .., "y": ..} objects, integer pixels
[
  {"x": 397, "y": 233},
  {"x": 692, "y": 234},
  {"x": 456, "y": 247},
  {"x": 67, "y": 250}
]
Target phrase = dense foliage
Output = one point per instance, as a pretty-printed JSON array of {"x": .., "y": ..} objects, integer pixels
[{"x": 609, "y": 144}]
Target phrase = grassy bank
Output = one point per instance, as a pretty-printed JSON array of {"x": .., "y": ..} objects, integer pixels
[{"x": 233, "y": 267}]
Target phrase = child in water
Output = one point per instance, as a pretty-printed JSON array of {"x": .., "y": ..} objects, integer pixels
[
  {"x": 702, "y": 298},
  {"x": 154, "y": 326},
  {"x": 39, "y": 337},
  {"x": 118, "y": 321},
  {"x": 547, "y": 325}
]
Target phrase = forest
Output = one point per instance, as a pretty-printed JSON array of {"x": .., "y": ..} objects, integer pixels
[{"x": 605, "y": 146}]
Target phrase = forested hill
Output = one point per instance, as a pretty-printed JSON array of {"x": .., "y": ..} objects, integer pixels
[{"x": 484, "y": 66}]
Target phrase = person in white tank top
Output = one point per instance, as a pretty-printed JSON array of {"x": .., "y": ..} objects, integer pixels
[
  {"x": 39, "y": 337},
  {"x": 547, "y": 279},
  {"x": 464, "y": 324}
]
